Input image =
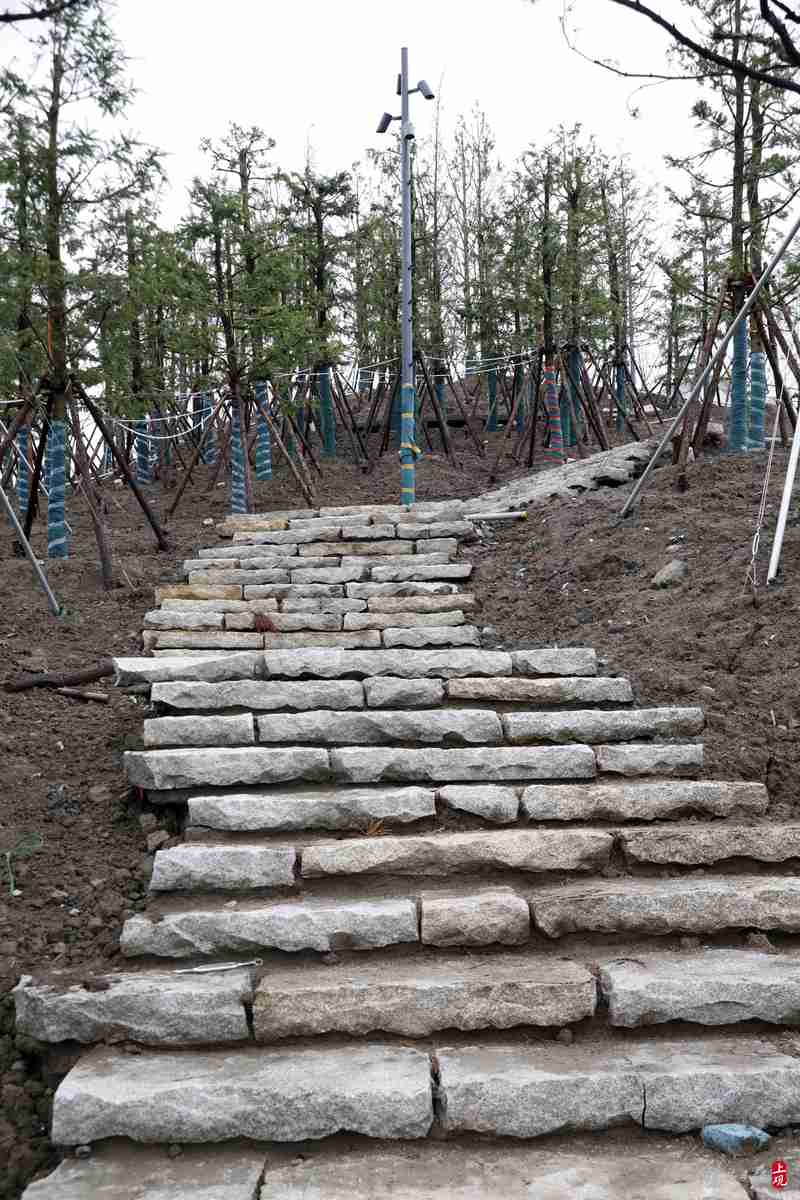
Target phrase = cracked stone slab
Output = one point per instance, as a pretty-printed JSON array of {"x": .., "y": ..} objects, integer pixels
[
  {"x": 344, "y": 574},
  {"x": 294, "y": 591},
  {"x": 339, "y": 808},
  {"x": 377, "y": 727},
  {"x": 706, "y": 905},
  {"x": 421, "y": 664},
  {"x": 234, "y": 730},
  {"x": 369, "y": 591},
  {"x": 528, "y": 1091},
  {"x": 474, "y": 919},
  {"x": 129, "y": 671},
  {"x": 128, "y": 1172},
  {"x": 434, "y": 635},
  {"x": 401, "y": 620},
  {"x": 449, "y": 853},
  {"x": 261, "y": 695},
  {"x": 417, "y": 571},
  {"x": 644, "y": 801},
  {"x": 555, "y": 661},
  {"x": 487, "y": 764},
  {"x": 546, "y": 692},
  {"x": 388, "y": 692},
  {"x": 255, "y": 1093},
  {"x": 696, "y": 844},
  {"x": 714, "y": 987},
  {"x": 221, "y": 767},
  {"x": 222, "y": 868},
  {"x": 415, "y": 997},
  {"x": 490, "y": 801},
  {"x": 594, "y": 726},
  {"x": 637, "y": 759},
  {"x": 290, "y": 926},
  {"x": 522, "y": 1171},
  {"x": 154, "y": 1008}
]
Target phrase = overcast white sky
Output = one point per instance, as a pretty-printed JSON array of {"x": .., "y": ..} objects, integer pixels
[{"x": 322, "y": 71}]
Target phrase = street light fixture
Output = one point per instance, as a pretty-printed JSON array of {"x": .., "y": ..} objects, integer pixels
[{"x": 408, "y": 446}]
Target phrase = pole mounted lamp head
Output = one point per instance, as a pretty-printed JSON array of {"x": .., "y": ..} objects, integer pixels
[
  {"x": 385, "y": 122},
  {"x": 425, "y": 89}
]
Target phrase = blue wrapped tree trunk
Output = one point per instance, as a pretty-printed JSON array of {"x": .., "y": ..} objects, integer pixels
[
  {"x": 23, "y": 442},
  {"x": 238, "y": 493},
  {"x": 57, "y": 546},
  {"x": 263, "y": 442},
  {"x": 143, "y": 471}
]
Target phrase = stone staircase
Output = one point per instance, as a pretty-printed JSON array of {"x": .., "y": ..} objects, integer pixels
[{"x": 424, "y": 891}]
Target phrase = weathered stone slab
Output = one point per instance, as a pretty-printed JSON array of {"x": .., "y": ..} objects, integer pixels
[
  {"x": 339, "y": 808},
  {"x": 421, "y": 604},
  {"x": 222, "y": 767},
  {"x": 436, "y": 635},
  {"x": 222, "y": 868},
  {"x": 198, "y": 1173},
  {"x": 240, "y": 620},
  {"x": 290, "y": 926},
  {"x": 422, "y": 664},
  {"x": 285, "y": 1096},
  {"x": 479, "y": 919},
  {"x": 414, "y": 998},
  {"x": 642, "y": 801},
  {"x": 210, "y": 640},
  {"x": 202, "y": 564},
  {"x": 169, "y": 618},
  {"x": 268, "y": 562},
  {"x": 450, "y": 853},
  {"x": 528, "y": 1091},
  {"x": 523, "y": 1171},
  {"x": 377, "y": 727},
  {"x": 298, "y": 535},
  {"x": 188, "y": 591},
  {"x": 497, "y": 804},
  {"x": 352, "y": 529},
  {"x": 545, "y": 692},
  {"x": 364, "y": 639},
  {"x": 264, "y": 695},
  {"x": 285, "y": 550},
  {"x": 714, "y": 1081},
  {"x": 293, "y": 591},
  {"x": 566, "y": 660},
  {"x": 588, "y": 725},
  {"x": 366, "y": 591},
  {"x": 235, "y": 575},
  {"x": 310, "y": 604},
  {"x": 221, "y": 606},
  {"x": 442, "y": 545},
  {"x": 128, "y": 671},
  {"x": 437, "y": 529},
  {"x": 344, "y": 574},
  {"x": 387, "y": 692},
  {"x": 649, "y": 760},
  {"x": 486, "y": 764},
  {"x": 416, "y": 570},
  {"x": 154, "y": 1008},
  {"x": 237, "y": 730},
  {"x": 706, "y": 905},
  {"x": 288, "y": 622},
  {"x": 357, "y": 549},
  {"x": 399, "y": 620},
  {"x": 696, "y": 844},
  {"x": 715, "y": 987}
]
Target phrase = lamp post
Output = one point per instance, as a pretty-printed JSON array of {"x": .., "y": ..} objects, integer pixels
[{"x": 408, "y": 446}]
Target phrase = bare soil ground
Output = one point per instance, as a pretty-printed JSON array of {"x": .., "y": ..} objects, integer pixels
[{"x": 573, "y": 573}]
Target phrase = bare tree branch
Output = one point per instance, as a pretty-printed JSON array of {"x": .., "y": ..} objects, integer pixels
[{"x": 38, "y": 14}]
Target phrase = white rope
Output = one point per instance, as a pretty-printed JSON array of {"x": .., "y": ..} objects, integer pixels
[{"x": 752, "y": 570}]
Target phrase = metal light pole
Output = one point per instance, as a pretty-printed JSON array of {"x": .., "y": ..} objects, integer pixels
[{"x": 408, "y": 399}]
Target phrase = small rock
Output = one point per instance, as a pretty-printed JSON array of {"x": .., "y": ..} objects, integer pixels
[
  {"x": 100, "y": 793},
  {"x": 708, "y": 692},
  {"x": 176, "y": 1151},
  {"x": 148, "y": 822},
  {"x": 565, "y": 1036},
  {"x": 83, "y": 1151},
  {"x": 670, "y": 574},
  {"x": 760, "y": 941},
  {"x": 690, "y": 943},
  {"x": 154, "y": 840},
  {"x": 95, "y": 924},
  {"x": 735, "y": 1139},
  {"x": 208, "y": 522}
]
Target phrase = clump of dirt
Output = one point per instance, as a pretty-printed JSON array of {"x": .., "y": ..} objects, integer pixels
[{"x": 575, "y": 573}]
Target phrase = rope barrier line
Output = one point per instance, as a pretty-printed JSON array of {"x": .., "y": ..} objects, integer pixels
[{"x": 752, "y": 570}]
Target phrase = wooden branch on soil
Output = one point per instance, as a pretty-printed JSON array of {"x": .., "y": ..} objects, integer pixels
[{"x": 60, "y": 679}]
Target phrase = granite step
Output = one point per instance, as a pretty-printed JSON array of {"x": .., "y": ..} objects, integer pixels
[
  {"x": 635, "y": 758},
  {"x": 544, "y": 693},
  {"x": 643, "y": 801},
  {"x": 404, "y": 664},
  {"x": 209, "y": 669},
  {"x": 585, "y": 1168},
  {"x": 222, "y": 767},
  {"x": 487, "y": 764},
  {"x": 713, "y": 987},
  {"x": 523, "y": 1091},
  {"x": 261, "y": 695},
  {"x": 592, "y": 726},
  {"x": 256, "y": 1093},
  {"x": 275, "y": 811},
  {"x": 708, "y": 904},
  {"x": 379, "y": 727},
  {"x": 154, "y": 1008},
  {"x": 418, "y": 997},
  {"x": 696, "y": 844}
]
